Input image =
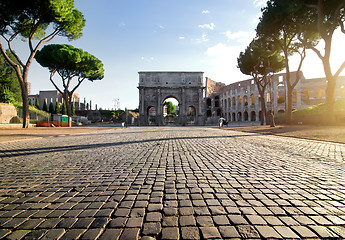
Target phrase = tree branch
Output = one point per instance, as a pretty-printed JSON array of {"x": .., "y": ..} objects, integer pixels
[
  {"x": 341, "y": 68},
  {"x": 52, "y": 81},
  {"x": 9, "y": 43},
  {"x": 320, "y": 26},
  {"x": 337, "y": 13},
  {"x": 341, "y": 24},
  {"x": 80, "y": 80},
  {"x": 32, "y": 33},
  {"x": 70, "y": 77},
  {"x": 302, "y": 55},
  {"x": 47, "y": 39},
  {"x": 63, "y": 79},
  {"x": 13, "y": 64}
]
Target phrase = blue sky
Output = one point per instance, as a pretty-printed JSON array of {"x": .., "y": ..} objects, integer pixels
[{"x": 158, "y": 35}]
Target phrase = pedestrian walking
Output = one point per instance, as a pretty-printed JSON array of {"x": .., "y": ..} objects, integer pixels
[{"x": 221, "y": 122}]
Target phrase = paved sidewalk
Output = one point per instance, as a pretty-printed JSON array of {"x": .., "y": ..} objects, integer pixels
[
  {"x": 172, "y": 183},
  {"x": 8, "y": 134}
]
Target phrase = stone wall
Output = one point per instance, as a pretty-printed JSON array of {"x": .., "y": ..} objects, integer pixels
[{"x": 7, "y": 112}]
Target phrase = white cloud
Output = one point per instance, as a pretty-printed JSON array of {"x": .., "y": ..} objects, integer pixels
[
  {"x": 240, "y": 36},
  {"x": 256, "y": 20},
  {"x": 181, "y": 37},
  {"x": 202, "y": 39},
  {"x": 223, "y": 58},
  {"x": 143, "y": 58},
  {"x": 259, "y": 3},
  {"x": 122, "y": 24},
  {"x": 161, "y": 27},
  {"x": 210, "y": 26},
  {"x": 205, "y": 12}
]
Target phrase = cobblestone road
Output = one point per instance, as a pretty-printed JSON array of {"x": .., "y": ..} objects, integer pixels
[{"x": 172, "y": 183}]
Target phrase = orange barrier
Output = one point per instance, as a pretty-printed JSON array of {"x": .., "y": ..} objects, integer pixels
[{"x": 52, "y": 123}]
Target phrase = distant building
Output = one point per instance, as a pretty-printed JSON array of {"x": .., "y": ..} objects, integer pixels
[{"x": 55, "y": 96}]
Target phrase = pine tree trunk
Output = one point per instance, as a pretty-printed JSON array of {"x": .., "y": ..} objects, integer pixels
[
  {"x": 331, "y": 82},
  {"x": 263, "y": 110},
  {"x": 25, "y": 95},
  {"x": 289, "y": 105},
  {"x": 68, "y": 104}
]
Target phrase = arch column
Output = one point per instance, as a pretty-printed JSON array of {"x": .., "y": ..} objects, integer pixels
[
  {"x": 199, "y": 115},
  {"x": 159, "y": 109}
]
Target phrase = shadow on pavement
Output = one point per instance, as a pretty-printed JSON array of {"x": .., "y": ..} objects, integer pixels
[{"x": 35, "y": 151}]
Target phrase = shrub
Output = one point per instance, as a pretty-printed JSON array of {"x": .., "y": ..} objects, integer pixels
[{"x": 7, "y": 96}]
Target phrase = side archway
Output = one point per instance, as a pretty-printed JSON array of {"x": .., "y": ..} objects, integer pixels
[
  {"x": 151, "y": 114},
  {"x": 191, "y": 115}
]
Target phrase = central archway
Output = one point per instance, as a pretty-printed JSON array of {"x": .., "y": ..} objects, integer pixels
[
  {"x": 186, "y": 87},
  {"x": 171, "y": 111}
]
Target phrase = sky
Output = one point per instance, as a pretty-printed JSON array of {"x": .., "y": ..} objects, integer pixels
[{"x": 163, "y": 35}]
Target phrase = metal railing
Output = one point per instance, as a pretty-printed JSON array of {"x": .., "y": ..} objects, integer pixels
[{"x": 34, "y": 117}]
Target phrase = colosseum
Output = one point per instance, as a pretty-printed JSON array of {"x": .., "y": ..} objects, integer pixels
[{"x": 240, "y": 101}]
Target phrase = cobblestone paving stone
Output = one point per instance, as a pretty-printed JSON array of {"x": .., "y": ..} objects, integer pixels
[{"x": 172, "y": 183}]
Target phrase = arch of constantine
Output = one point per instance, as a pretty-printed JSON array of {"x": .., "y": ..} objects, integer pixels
[{"x": 186, "y": 87}]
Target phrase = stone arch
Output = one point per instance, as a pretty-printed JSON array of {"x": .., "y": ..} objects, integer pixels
[
  {"x": 245, "y": 116},
  {"x": 173, "y": 118},
  {"x": 233, "y": 117},
  {"x": 253, "y": 116},
  {"x": 260, "y": 116},
  {"x": 239, "y": 116},
  {"x": 245, "y": 100},
  {"x": 186, "y": 87},
  {"x": 252, "y": 99},
  {"x": 208, "y": 102},
  {"x": 191, "y": 115},
  {"x": 216, "y": 101},
  {"x": 151, "y": 115},
  {"x": 239, "y": 100}
]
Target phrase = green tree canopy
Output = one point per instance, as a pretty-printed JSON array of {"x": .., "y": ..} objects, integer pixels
[
  {"x": 45, "y": 107},
  {"x": 64, "y": 108},
  {"x": 58, "y": 108},
  {"x": 259, "y": 60},
  {"x": 72, "y": 109},
  {"x": 260, "y": 55},
  {"x": 327, "y": 16},
  {"x": 51, "y": 108},
  {"x": 36, "y": 22},
  {"x": 281, "y": 22},
  {"x": 8, "y": 78},
  {"x": 37, "y": 103},
  {"x": 171, "y": 108},
  {"x": 7, "y": 96},
  {"x": 69, "y": 62}
]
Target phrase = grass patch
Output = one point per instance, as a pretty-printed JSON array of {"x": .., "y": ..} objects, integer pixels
[
  {"x": 32, "y": 109},
  {"x": 339, "y": 106}
]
